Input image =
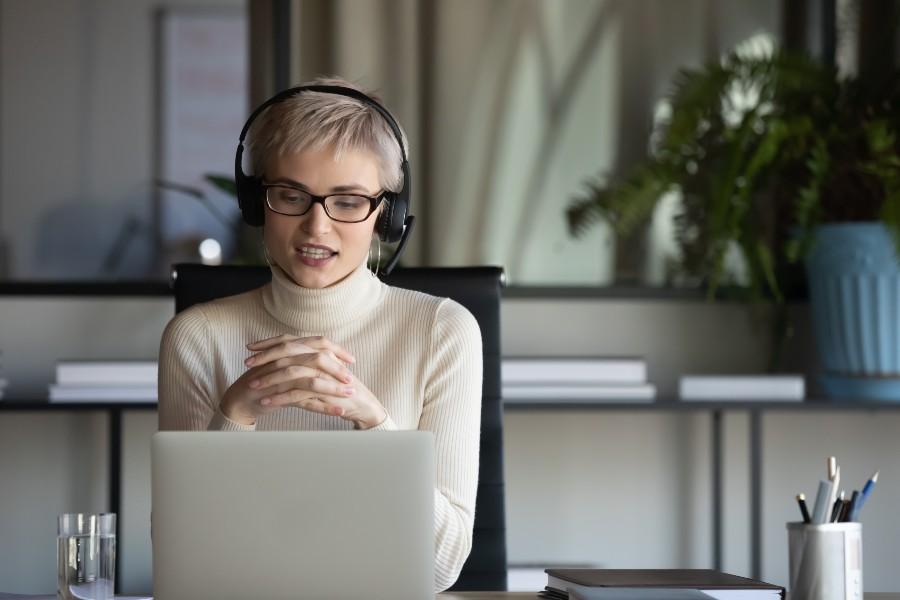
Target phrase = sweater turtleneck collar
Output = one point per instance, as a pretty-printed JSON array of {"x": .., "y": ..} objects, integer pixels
[{"x": 318, "y": 311}]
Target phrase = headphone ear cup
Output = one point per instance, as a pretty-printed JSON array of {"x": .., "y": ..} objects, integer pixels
[
  {"x": 383, "y": 226},
  {"x": 390, "y": 223},
  {"x": 400, "y": 206},
  {"x": 249, "y": 192},
  {"x": 393, "y": 218}
]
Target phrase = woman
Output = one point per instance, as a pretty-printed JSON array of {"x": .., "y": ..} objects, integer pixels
[{"x": 327, "y": 345}]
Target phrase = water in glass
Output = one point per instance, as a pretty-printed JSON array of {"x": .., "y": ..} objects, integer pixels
[{"x": 86, "y": 555}]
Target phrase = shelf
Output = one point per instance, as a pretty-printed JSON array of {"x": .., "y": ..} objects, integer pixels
[
  {"x": 44, "y": 405},
  {"x": 663, "y": 404},
  {"x": 817, "y": 404},
  {"x": 129, "y": 288}
]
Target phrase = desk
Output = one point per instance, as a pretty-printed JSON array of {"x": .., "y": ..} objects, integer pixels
[
  {"x": 492, "y": 596},
  {"x": 534, "y": 596},
  {"x": 716, "y": 409},
  {"x": 488, "y": 596}
]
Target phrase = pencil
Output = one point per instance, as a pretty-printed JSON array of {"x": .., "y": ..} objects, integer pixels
[
  {"x": 801, "y": 500},
  {"x": 836, "y": 509}
]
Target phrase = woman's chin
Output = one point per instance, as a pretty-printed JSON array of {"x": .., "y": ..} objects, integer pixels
[
  {"x": 319, "y": 276},
  {"x": 313, "y": 280}
]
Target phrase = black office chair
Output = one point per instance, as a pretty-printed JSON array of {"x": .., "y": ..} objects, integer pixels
[{"x": 476, "y": 288}]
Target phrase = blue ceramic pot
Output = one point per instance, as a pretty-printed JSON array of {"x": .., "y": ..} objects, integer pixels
[{"x": 854, "y": 285}]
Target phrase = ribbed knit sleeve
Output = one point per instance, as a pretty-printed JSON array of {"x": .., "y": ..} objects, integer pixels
[
  {"x": 386, "y": 425},
  {"x": 452, "y": 411},
  {"x": 186, "y": 400}
]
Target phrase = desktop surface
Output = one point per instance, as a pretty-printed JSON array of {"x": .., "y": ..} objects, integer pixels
[
  {"x": 472, "y": 596},
  {"x": 533, "y": 595}
]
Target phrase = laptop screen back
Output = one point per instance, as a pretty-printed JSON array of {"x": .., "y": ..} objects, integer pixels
[{"x": 293, "y": 515}]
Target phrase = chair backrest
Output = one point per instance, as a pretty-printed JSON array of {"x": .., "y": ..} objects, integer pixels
[{"x": 476, "y": 288}]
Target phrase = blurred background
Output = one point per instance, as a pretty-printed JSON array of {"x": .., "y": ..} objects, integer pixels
[
  {"x": 112, "y": 113},
  {"x": 115, "y": 113}
]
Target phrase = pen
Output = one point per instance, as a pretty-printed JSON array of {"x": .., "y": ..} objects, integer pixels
[
  {"x": 835, "y": 482},
  {"x": 836, "y": 509},
  {"x": 801, "y": 500},
  {"x": 832, "y": 467},
  {"x": 820, "y": 509},
  {"x": 867, "y": 489},
  {"x": 845, "y": 509},
  {"x": 853, "y": 509}
]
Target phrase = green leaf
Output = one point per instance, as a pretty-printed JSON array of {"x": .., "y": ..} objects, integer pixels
[
  {"x": 767, "y": 267},
  {"x": 624, "y": 206},
  {"x": 223, "y": 182}
]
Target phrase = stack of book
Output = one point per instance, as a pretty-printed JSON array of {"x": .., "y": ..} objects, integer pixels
[
  {"x": 104, "y": 381},
  {"x": 3, "y": 381},
  {"x": 655, "y": 584},
  {"x": 724, "y": 388},
  {"x": 576, "y": 380}
]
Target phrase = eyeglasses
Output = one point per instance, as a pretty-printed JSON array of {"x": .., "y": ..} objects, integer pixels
[{"x": 346, "y": 208}]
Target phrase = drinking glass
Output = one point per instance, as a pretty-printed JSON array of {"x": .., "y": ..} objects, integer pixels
[{"x": 86, "y": 556}]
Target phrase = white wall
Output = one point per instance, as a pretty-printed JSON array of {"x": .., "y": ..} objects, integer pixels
[
  {"x": 611, "y": 488},
  {"x": 530, "y": 99},
  {"x": 78, "y": 124},
  {"x": 534, "y": 98}
]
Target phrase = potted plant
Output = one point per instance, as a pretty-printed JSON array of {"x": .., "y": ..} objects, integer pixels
[{"x": 786, "y": 162}]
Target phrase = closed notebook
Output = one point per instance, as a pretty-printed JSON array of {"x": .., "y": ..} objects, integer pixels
[{"x": 652, "y": 584}]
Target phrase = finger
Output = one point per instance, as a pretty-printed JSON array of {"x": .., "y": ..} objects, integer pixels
[
  {"x": 328, "y": 365},
  {"x": 273, "y": 374},
  {"x": 279, "y": 349},
  {"x": 301, "y": 378},
  {"x": 320, "y": 405},
  {"x": 268, "y": 342},
  {"x": 323, "y": 343},
  {"x": 315, "y": 341},
  {"x": 281, "y": 364},
  {"x": 287, "y": 398},
  {"x": 290, "y": 346},
  {"x": 319, "y": 361},
  {"x": 314, "y": 405},
  {"x": 296, "y": 397}
]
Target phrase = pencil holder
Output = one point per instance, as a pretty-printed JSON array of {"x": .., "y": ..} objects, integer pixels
[{"x": 825, "y": 561}]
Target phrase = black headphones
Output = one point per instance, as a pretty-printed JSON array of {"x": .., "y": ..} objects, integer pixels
[{"x": 394, "y": 224}]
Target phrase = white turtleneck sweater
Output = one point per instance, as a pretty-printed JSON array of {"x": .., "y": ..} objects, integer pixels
[{"x": 419, "y": 355}]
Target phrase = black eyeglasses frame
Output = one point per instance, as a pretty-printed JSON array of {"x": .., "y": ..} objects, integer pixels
[{"x": 374, "y": 201}]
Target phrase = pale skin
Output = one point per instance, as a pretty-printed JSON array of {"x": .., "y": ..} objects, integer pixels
[{"x": 312, "y": 372}]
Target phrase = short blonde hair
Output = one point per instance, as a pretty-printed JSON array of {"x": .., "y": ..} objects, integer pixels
[{"x": 315, "y": 120}]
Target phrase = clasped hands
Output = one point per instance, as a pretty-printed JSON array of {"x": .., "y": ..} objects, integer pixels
[{"x": 308, "y": 372}]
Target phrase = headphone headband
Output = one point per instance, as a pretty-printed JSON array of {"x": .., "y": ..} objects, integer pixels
[{"x": 328, "y": 89}]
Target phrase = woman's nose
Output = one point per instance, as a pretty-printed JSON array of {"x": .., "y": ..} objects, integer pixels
[{"x": 316, "y": 220}]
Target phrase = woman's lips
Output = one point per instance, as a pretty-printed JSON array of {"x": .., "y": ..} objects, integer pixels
[
  {"x": 302, "y": 247},
  {"x": 315, "y": 255}
]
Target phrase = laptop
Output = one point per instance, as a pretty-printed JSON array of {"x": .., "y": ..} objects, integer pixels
[{"x": 324, "y": 514}]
